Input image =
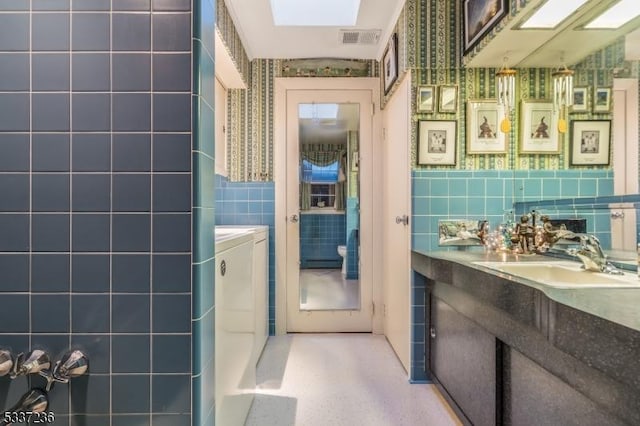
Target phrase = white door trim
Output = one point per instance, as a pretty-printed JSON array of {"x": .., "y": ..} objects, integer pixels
[{"x": 370, "y": 244}]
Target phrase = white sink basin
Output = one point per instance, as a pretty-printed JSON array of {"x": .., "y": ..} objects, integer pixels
[{"x": 563, "y": 274}]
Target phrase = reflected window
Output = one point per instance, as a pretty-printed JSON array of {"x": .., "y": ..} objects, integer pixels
[{"x": 315, "y": 174}]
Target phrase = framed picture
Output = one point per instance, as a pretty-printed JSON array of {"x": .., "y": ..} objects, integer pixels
[
  {"x": 483, "y": 127},
  {"x": 479, "y": 17},
  {"x": 390, "y": 63},
  {"x": 580, "y": 99},
  {"x": 602, "y": 99},
  {"x": 448, "y": 99},
  {"x": 590, "y": 141},
  {"x": 539, "y": 124},
  {"x": 437, "y": 142},
  {"x": 426, "y": 101}
]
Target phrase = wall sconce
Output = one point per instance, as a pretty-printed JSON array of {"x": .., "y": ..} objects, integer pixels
[
  {"x": 562, "y": 94},
  {"x": 506, "y": 94}
]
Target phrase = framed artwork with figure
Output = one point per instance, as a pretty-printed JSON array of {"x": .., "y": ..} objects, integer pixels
[
  {"x": 437, "y": 142},
  {"x": 539, "y": 128},
  {"x": 590, "y": 142},
  {"x": 483, "y": 127}
]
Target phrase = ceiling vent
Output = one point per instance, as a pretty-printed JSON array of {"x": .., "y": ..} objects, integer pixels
[{"x": 359, "y": 36}]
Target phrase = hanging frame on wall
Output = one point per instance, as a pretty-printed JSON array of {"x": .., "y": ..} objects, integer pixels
[
  {"x": 480, "y": 16},
  {"x": 437, "y": 142},
  {"x": 390, "y": 63},
  {"x": 539, "y": 128},
  {"x": 590, "y": 142},
  {"x": 483, "y": 130}
]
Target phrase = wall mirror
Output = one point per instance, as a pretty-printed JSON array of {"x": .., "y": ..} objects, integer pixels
[{"x": 329, "y": 206}]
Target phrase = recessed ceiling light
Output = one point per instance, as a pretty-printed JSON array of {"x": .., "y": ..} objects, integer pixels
[
  {"x": 552, "y": 13},
  {"x": 334, "y": 13},
  {"x": 617, "y": 15}
]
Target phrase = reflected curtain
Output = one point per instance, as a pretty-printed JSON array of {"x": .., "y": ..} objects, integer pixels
[
  {"x": 321, "y": 154},
  {"x": 305, "y": 195},
  {"x": 341, "y": 184}
]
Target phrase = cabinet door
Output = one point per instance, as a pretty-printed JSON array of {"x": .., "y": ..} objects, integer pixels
[
  {"x": 463, "y": 360},
  {"x": 535, "y": 396}
]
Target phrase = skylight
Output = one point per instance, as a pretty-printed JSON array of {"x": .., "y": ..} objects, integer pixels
[
  {"x": 335, "y": 13},
  {"x": 552, "y": 13},
  {"x": 617, "y": 15},
  {"x": 318, "y": 111}
]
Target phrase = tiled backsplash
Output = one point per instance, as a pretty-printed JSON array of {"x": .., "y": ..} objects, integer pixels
[
  {"x": 250, "y": 203},
  {"x": 489, "y": 194}
]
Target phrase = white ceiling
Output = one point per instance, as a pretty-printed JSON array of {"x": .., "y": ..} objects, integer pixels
[{"x": 261, "y": 39}]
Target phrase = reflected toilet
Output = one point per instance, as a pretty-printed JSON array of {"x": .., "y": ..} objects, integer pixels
[{"x": 342, "y": 251}]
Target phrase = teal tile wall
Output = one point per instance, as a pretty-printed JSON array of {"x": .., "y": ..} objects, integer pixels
[
  {"x": 353, "y": 238},
  {"x": 203, "y": 201},
  {"x": 490, "y": 194},
  {"x": 320, "y": 236}
]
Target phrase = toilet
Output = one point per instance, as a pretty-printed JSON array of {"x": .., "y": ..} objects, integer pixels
[{"x": 342, "y": 251}]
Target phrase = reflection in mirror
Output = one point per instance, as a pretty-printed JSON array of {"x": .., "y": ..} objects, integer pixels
[
  {"x": 612, "y": 219},
  {"x": 329, "y": 206}
]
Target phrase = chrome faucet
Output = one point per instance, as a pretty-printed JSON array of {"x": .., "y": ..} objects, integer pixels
[
  {"x": 72, "y": 364},
  {"x": 36, "y": 361},
  {"x": 590, "y": 253}
]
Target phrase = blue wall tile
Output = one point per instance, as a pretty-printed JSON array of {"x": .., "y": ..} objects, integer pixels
[
  {"x": 320, "y": 236},
  {"x": 77, "y": 214}
]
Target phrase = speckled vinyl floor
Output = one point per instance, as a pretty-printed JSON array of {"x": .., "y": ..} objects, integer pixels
[{"x": 340, "y": 379}]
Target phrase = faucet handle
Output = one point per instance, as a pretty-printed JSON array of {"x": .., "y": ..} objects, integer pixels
[
  {"x": 36, "y": 361},
  {"x": 6, "y": 362},
  {"x": 17, "y": 365},
  {"x": 72, "y": 364}
]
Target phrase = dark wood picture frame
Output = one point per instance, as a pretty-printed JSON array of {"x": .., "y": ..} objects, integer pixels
[
  {"x": 480, "y": 16},
  {"x": 390, "y": 64},
  {"x": 590, "y": 142}
]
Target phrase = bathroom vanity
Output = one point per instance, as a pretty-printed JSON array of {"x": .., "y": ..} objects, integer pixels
[{"x": 506, "y": 349}]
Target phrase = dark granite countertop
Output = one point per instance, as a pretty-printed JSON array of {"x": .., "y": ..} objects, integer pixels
[{"x": 618, "y": 305}]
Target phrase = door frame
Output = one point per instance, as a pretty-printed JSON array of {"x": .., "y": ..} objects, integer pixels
[{"x": 371, "y": 241}]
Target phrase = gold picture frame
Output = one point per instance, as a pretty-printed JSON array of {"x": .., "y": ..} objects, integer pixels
[
  {"x": 602, "y": 99},
  {"x": 426, "y": 98},
  {"x": 539, "y": 128},
  {"x": 483, "y": 127},
  {"x": 448, "y": 98}
]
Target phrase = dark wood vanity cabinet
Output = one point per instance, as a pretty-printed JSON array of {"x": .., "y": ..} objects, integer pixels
[
  {"x": 487, "y": 381},
  {"x": 534, "y": 396},
  {"x": 463, "y": 361}
]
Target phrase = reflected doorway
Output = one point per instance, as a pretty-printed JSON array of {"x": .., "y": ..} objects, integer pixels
[{"x": 329, "y": 273}]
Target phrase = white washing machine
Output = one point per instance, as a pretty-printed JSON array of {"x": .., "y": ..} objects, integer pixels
[{"x": 235, "y": 373}]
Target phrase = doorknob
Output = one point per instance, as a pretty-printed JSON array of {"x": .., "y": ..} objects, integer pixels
[
  {"x": 404, "y": 219},
  {"x": 294, "y": 218}
]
